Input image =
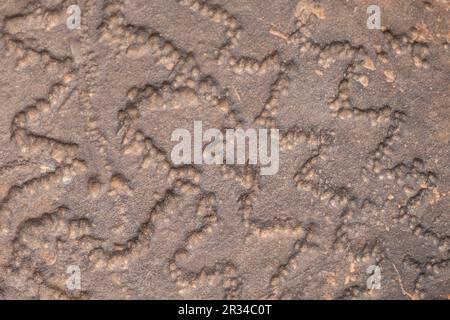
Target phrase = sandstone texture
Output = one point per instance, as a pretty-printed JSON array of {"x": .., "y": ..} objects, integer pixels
[{"x": 88, "y": 188}]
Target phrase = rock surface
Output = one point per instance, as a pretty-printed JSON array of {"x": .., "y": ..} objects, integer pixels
[{"x": 88, "y": 189}]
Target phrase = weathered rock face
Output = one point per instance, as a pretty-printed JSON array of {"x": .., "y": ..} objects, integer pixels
[{"x": 92, "y": 206}]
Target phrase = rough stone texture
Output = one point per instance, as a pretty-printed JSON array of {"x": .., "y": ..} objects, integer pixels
[{"x": 85, "y": 169}]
